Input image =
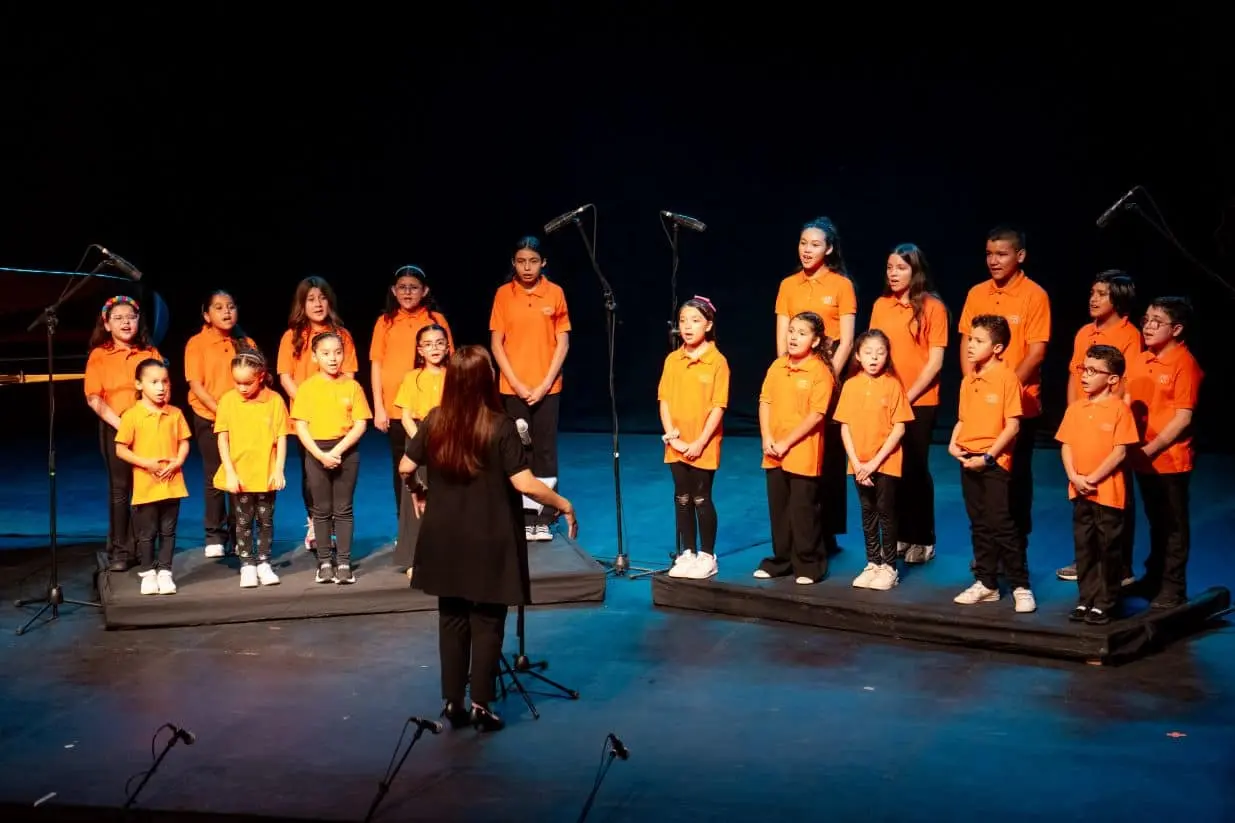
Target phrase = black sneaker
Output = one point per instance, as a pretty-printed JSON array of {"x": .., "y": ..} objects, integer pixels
[
  {"x": 1167, "y": 601},
  {"x": 343, "y": 575},
  {"x": 1097, "y": 617},
  {"x": 1067, "y": 573},
  {"x": 1079, "y": 614},
  {"x": 325, "y": 574}
]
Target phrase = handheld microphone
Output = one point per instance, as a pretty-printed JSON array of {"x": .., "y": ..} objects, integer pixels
[
  {"x": 562, "y": 219},
  {"x": 682, "y": 220},
  {"x": 619, "y": 748},
  {"x": 525, "y": 436},
  {"x": 427, "y": 725},
  {"x": 126, "y": 268},
  {"x": 1121, "y": 203},
  {"x": 183, "y": 735}
]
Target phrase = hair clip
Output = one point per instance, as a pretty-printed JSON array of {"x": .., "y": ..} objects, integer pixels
[
  {"x": 119, "y": 300},
  {"x": 705, "y": 301}
]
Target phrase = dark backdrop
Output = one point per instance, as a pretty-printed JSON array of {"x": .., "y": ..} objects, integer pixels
[{"x": 219, "y": 152}]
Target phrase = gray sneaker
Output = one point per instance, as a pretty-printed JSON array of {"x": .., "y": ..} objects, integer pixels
[
  {"x": 917, "y": 554},
  {"x": 1067, "y": 573}
]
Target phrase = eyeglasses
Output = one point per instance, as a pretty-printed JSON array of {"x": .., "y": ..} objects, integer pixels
[
  {"x": 1154, "y": 323},
  {"x": 1090, "y": 371},
  {"x": 409, "y": 289},
  {"x": 436, "y": 344}
]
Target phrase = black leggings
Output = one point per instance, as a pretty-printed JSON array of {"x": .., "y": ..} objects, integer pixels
[
  {"x": 915, "y": 522},
  {"x": 254, "y": 509},
  {"x": 330, "y": 497},
  {"x": 692, "y": 499},
  {"x": 119, "y": 497},
  {"x": 397, "y": 438},
  {"x": 219, "y": 522}
]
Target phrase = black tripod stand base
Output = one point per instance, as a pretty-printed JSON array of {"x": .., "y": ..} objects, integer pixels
[
  {"x": 525, "y": 667},
  {"x": 620, "y": 567},
  {"x": 53, "y": 600}
]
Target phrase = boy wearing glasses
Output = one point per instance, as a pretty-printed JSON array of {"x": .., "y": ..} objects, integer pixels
[
  {"x": 1162, "y": 388},
  {"x": 1094, "y": 436}
]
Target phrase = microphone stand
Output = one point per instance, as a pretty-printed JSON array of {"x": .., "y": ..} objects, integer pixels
[
  {"x": 601, "y": 774},
  {"x": 1170, "y": 238},
  {"x": 392, "y": 770},
  {"x": 54, "y": 598},
  {"x": 620, "y": 565},
  {"x": 524, "y": 665},
  {"x": 167, "y": 747}
]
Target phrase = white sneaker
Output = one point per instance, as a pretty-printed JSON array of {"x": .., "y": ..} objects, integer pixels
[
  {"x": 901, "y": 548},
  {"x": 543, "y": 535},
  {"x": 703, "y": 567},
  {"x": 884, "y": 579},
  {"x": 166, "y": 584},
  {"x": 803, "y": 581},
  {"x": 248, "y": 577},
  {"x": 530, "y": 533},
  {"x": 977, "y": 593},
  {"x": 863, "y": 580},
  {"x": 681, "y": 566},
  {"x": 760, "y": 574},
  {"x": 266, "y": 575},
  {"x": 1024, "y": 599},
  {"x": 150, "y": 585},
  {"x": 919, "y": 554},
  {"x": 215, "y": 550}
]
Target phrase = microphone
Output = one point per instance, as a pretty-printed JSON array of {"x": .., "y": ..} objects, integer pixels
[
  {"x": 183, "y": 735},
  {"x": 1119, "y": 204},
  {"x": 619, "y": 748},
  {"x": 427, "y": 725},
  {"x": 682, "y": 220},
  {"x": 127, "y": 268},
  {"x": 562, "y": 219},
  {"x": 524, "y": 435}
]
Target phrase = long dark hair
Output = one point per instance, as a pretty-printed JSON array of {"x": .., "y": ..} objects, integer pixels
[
  {"x": 298, "y": 321},
  {"x": 826, "y": 344},
  {"x": 467, "y": 417},
  {"x": 920, "y": 286},
  {"x": 529, "y": 243},
  {"x": 428, "y": 302},
  {"x": 100, "y": 336},
  {"x": 835, "y": 259},
  {"x": 237, "y": 333}
]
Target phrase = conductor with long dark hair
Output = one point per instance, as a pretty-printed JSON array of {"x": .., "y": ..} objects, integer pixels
[{"x": 472, "y": 548}]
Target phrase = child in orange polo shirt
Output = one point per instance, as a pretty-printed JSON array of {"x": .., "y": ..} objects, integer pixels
[
  {"x": 693, "y": 394},
  {"x": 153, "y": 438},
  {"x": 873, "y": 412},
  {"x": 823, "y": 287},
  {"x": 208, "y": 370},
  {"x": 530, "y": 328},
  {"x": 915, "y": 321},
  {"x": 251, "y": 428},
  {"x": 1163, "y": 384},
  {"x": 314, "y": 311},
  {"x": 1010, "y": 294},
  {"x": 983, "y": 441},
  {"x": 1095, "y": 434},
  {"x": 1111, "y": 298},
  {"x": 118, "y": 343},
  {"x": 330, "y": 411},
  {"x": 393, "y": 352},
  {"x": 793, "y": 405}
]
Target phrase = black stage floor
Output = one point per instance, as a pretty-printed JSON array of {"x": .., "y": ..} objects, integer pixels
[
  {"x": 921, "y": 609},
  {"x": 209, "y": 590}
]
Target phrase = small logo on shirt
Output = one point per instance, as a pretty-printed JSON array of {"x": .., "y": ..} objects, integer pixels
[
  {"x": 828, "y": 300},
  {"x": 992, "y": 399},
  {"x": 547, "y": 311},
  {"x": 705, "y": 377},
  {"x": 1107, "y": 427},
  {"x": 1164, "y": 379},
  {"x": 803, "y": 383},
  {"x": 1014, "y": 319}
]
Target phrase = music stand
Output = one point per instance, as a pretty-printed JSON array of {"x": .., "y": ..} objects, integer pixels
[{"x": 54, "y": 598}]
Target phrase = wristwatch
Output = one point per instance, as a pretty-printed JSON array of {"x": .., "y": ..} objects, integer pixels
[{"x": 988, "y": 459}]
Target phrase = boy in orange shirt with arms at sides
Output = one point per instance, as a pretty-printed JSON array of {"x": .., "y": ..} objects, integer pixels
[
  {"x": 1096, "y": 432},
  {"x": 988, "y": 420},
  {"x": 1162, "y": 387}
]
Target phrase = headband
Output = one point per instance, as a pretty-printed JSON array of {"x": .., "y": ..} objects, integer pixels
[
  {"x": 120, "y": 300},
  {"x": 701, "y": 299},
  {"x": 416, "y": 271}
]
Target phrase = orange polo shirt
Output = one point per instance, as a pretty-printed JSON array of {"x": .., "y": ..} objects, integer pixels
[
  {"x": 1026, "y": 307},
  {"x": 1121, "y": 334},
  {"x": 792, "y": 391},
  {"x": 303, "y": 367},
  {"x": 988, "y": 401},
  {"x": 828, "y": 294},
  {"x": 208, "y": 360},
  {"x": 529, "y": 322},
  {"x": 1158, "y": 385},
  {"x": 420, "y": 392},
  {"x": 330, "y": 407},
  {"x": 693, "y": 386},
  {"x": 254, "y": 428},
  {"x": 155, "y": 433},
  {"x": 111, "y": 373},
  {"x": 394, "y": 346},
  {"x": 871, "y": 406},
  {"x": 1092, "y": 429},
  {"x": 910, "y": 351}
]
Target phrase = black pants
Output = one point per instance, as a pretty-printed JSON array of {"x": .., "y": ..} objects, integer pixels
[
  {"x": 254, "y": 509},
  {"x": 305, "y": 460},
  {"x": 997, "y": 541},
  {"x": 693, "y": 506},
  {"x": 1020, "y": 490},
  {"x": 119, "y": 495},
  {"x": 915, "y": 522},
  {"x": 219, "y": 522},
  {"x": 470, "y": 636},
  {"x": 397, "y": 437},
  {"x": 542, "y": 454},
  {"x": 331, "y": 492},
  {"x": 797, "y": 533},
  {"x": 156, "y": 521},
  {"x": 1127, "y": 535},
  {"x": 404, "y": 555},
  {"x": 879, "y": 518},
  {"x": 1166, "y": 508},
  {"x": 833, "y": 483},
  {"x": 1097, "y": 532}
]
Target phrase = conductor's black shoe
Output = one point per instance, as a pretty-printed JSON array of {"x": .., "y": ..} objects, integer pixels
[
  {"x": 456, "y": 715},
  {"x": 486, "y": 721}
]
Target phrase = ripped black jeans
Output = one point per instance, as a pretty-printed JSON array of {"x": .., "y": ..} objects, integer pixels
[{"x": 692, "y": 503}]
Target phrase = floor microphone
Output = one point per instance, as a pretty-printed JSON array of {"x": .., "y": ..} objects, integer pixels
[{"x": 427, "y": 725}]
